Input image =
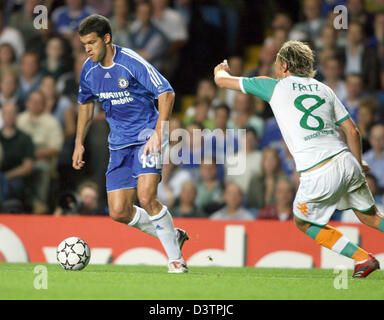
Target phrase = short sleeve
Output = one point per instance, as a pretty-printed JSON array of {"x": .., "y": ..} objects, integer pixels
[
  {"x": 85, "y": 92},
  {"x": 341, "y": 113},
  {"x": 150, "y": 78},
  {"x": 261, "y": 87}
]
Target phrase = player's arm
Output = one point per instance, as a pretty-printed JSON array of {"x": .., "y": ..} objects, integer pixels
[
  {"x": 223, "y": 79},
  {"x": 261, "y": 87},
  {"x": 84, "y": 121},
  {"x": 353, "y": 138}
]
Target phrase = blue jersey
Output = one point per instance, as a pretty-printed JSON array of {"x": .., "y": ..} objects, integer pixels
[{"x": 127, "y": 91}]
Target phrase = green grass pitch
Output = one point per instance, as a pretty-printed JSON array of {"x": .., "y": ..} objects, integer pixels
[{"x": 205, "y": 283}]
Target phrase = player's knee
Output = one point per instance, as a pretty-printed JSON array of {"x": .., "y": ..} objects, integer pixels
[
  {"x": 145, "y": 200},
  {"x": 301, "y": 225},
  {"x": 120, "y": 213}
]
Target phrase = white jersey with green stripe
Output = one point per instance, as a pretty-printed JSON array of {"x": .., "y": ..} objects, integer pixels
[{"x": 307, "y": 112}]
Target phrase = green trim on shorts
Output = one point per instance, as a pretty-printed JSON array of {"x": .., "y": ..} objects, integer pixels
[
  {"x": 361, "y": 210},
  {"x": 314, "y": 223},
  {"x": 343, "y": 119},
  {"x": 322, "y": 161}
]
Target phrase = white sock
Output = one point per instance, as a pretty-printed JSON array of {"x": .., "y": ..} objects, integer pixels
[
  {"x": 163, "y": 224},
  {"x": 142, "y": 222}
]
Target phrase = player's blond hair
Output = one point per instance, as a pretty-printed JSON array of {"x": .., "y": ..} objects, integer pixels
[{"x": 299, "y": 58}]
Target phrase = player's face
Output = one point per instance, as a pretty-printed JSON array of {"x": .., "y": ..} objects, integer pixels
[{"x": 95, "y": 47}]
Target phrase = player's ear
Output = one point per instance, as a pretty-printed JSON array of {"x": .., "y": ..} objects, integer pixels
[
  {"x": 285, "y": 66},
  {"x": 107, "y": 38}
]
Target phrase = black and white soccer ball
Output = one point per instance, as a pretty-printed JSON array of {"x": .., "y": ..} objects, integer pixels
[{"x": 73, "y": 253}]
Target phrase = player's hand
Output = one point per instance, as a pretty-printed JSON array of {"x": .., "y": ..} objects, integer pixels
[
  {"x": 77, "y": 157},
  {"x": 365, "y": 167},
  {"x": 153, "y": 145},
  {"x": 221, "y": 66}
]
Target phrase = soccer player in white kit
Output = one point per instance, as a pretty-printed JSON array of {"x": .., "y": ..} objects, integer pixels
[{"x": 332, "y": 173}]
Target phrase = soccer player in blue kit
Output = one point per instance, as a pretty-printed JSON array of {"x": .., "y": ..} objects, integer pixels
[{"x": 127, "y": 85}]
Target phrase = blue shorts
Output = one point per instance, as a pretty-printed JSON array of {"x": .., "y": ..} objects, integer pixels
[{"x": 125, "y": 165}]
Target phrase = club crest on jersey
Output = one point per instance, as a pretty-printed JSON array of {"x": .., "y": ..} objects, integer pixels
[{"x": 123, "y": 83}]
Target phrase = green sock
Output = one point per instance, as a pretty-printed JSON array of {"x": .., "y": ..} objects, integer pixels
[{"x": 381, "y": 225}]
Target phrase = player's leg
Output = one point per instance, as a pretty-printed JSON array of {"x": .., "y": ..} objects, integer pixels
[
  {"x": 331, "y": 238},
  {"x": 121, "y": 191},
  {"x": 122, "y": 209},
  {"x": 161, "y": 219},
  {"x": 371, "y": 218}
]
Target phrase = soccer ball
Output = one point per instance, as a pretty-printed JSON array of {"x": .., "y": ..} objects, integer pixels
[{"x": 73, "y": 253}]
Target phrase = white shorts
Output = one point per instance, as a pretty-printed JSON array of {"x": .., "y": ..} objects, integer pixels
[{"x": 339, "y": 184}]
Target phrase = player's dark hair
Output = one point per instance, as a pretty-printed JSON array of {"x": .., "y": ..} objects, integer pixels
[{"x": 95, "y": 23}]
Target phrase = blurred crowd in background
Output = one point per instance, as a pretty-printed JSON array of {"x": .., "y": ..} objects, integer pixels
[{"x": 185, "y": 40}]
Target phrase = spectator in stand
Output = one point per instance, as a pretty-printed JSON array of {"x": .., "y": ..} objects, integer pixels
[
  {"x": 47, "y": 137},
  {"x": 105, "y": 8},
  {"x": 192, "y": 150},
  {"x": 366, "y": 116},
  {"x": 171, "y": 23},
  {"x": 55, "y": 62},
  {"x": 17, "y": 162},
  {"x": 251, "y": 158},
  {"x": 332, "y": 72},
  {"x": 185, "y": 206},
  {"x": 357, "y": 14},
  {"x": 30, "y": 76},
  {"x": 147, "y": 39},
  {"x": 172, "y": 177},
  {"x": 376, "y": 191},
  {"x": 310, "y": 29},
  {"x": 265, "y": 68},
  {"x": 64, "y": 110},
  {"x": 354, "y": 85},
  {"x": 7, "y": 57},
  {"x": 87, "y": 202},
  {"x": 68, "y": 84},
  {"x": 121, "y": 21},
  {"x": 200, "y": 116},
  {"x": 233, "y": 210},
  {"x": 282, "y": 20},
  {"x": 176, "y": 132},
  {"x": 8, "y": 88},
  {"x": 375, "y": 156},
  {"x": 328, "y": 40},
  {"x": 66, "y": 19},
  {"x": 279, "y": 37},
  {"x": 244, "y": 116},
  {"x": 209, "y": 190},
  {"x": 10, "y": 35},
  {"x": 225, "y": 143},
  {"x": 360, "y": 59},
  {"x": 266, "y": 60},
  {"x": 282, "y": 209},
  {"x": 206, "y": 89},
  {"x": 60, "y": 106},
  {"x": 224, "y": 140},
  {"x": 376, "y": 41},
  {"x": 287, "y": 162},
  {"x": 23, "y": 20},
  {"x": 262, "y": 187}
]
